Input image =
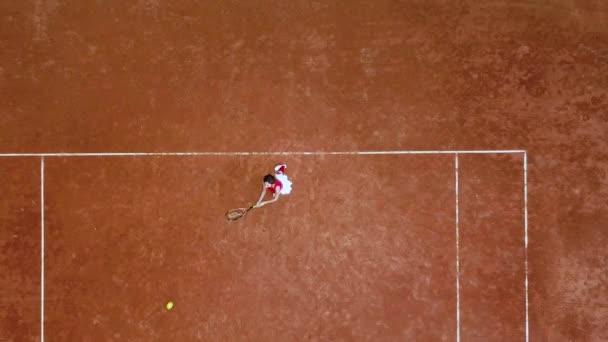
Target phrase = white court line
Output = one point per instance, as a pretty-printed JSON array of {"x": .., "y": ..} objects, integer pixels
[
  {"x": 457, "y": 255},
  {"x": 526, "y": 240},
  {"x": 295, "y": 153},
  {"x": 42, "y": 249}
]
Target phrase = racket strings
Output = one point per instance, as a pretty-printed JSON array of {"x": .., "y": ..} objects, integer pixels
[{"x": 235, "y": 214}]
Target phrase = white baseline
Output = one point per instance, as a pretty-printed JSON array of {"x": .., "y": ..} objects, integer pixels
[{"x": 287, "y": 153}]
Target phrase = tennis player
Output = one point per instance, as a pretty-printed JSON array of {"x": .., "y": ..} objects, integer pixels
[{"x": 277, "y": 185}]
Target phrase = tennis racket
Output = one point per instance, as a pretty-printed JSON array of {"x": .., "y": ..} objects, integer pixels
[{"x": 235, "y": 214}]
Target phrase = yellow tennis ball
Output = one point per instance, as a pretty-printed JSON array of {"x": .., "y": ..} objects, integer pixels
[{"x": 169, "y": 305}]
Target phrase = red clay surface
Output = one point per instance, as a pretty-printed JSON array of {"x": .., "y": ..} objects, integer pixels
[
  {"x": 20, "y": 250},
  {"x": 492, "y": 273},
  {"x": 303, "y": 76},
  {"x": 372, "y": 256}
]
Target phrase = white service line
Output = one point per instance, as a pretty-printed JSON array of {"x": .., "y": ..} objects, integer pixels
[
  {"x": 295, "y": 153},
  {"x": 457, "y": 254},
  {"x": 42, "y": 249}
]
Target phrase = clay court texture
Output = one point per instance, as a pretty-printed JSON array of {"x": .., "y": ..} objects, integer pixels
[{"x": 449, "y": 162}]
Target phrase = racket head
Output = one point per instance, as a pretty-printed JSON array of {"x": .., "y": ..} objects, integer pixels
[{"x": 235, "y": 214}]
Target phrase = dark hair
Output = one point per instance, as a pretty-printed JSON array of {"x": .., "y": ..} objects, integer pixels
[{"x": 269, "y": 179}]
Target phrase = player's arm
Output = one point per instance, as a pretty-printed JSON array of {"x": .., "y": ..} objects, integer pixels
[
  {"x": 259, "y": 203},
  {"x": 274, "y": 199}
]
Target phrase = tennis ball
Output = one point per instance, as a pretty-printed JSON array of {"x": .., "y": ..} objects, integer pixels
[{"x": 169, "y": 305}]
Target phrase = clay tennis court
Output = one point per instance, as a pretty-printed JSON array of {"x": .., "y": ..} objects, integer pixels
[{"x": 448, "y": 159}]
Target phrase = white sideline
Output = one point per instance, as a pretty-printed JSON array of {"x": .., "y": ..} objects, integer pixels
[
  {"x": 457, "y": 254},
  {"x": 526, "y": 240},
  {"x": 42, "y": 249}
]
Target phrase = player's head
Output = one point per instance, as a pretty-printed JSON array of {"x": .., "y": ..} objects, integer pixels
[{"x": 269, "y": 180}]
